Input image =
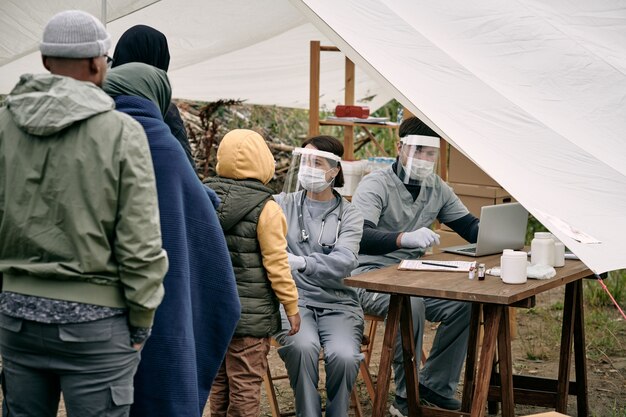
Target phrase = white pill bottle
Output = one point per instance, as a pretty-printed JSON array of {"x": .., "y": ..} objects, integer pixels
[
  {"x": 542, "y": 249},
  {"x": 513, "y": 266}
]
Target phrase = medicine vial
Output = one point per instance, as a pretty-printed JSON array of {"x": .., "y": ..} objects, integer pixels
[{"x": 481, "y": 272}]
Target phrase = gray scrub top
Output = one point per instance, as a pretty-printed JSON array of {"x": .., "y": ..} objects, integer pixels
[
  {"x": 321, "y": 283},
  {"x": 384, "y": 200}
]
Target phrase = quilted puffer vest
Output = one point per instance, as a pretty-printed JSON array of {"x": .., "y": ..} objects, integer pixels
[{"x": 242, "y": 203}]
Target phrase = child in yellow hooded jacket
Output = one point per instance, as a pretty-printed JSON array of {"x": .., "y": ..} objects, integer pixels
[{"x": 255, "y": 229}]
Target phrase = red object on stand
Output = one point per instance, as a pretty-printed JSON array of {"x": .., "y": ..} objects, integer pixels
[{"x": 361, "y": 112}]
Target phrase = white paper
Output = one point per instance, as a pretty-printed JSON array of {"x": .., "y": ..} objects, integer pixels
[{"x": 451, "y": 266}]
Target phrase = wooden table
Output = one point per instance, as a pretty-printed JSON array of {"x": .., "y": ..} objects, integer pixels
[{"x": 490, "y": 298}]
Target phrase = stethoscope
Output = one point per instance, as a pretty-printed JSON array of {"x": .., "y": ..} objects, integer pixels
[{"x": 304, "y": 235}]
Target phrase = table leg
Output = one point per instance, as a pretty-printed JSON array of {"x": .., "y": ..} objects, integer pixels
[
  {"x": 472, "y": 355},
  {"x": 567, "y": 333},
  {"x": 506, "y": 364},
  {"x": 386, "y": 355},
  {"x": 408, "y": 355},
  {"x": 493, "y": 407},
  {"x": 580, "y": 356},
  {"x": 492, "y": 317}
]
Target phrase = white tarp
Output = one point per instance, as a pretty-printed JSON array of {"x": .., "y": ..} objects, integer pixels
[
  {"x": 532, "y": 91},
  {"x": 22, "y": 21},
  {"x": 256, "y": 51}
]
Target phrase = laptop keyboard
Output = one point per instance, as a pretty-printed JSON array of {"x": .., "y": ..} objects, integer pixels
[{"x": 468, "y": 250}]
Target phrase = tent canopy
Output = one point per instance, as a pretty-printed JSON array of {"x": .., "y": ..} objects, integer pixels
[
  {"x": 256, "y": 51},
  {"x": 533, "y": 92}
]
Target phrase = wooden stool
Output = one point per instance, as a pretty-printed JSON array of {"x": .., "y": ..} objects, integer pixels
[{"x": 367, "y": 348}]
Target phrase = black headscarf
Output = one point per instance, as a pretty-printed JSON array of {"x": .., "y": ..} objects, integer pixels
[{"x": 142, "y": 43}]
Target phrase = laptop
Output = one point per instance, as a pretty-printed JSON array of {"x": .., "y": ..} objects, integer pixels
[{"x": 502, "y": 226}]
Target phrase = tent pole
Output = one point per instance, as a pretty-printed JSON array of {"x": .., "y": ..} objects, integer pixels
[
  {"x": 314, "y": 89},
  {"x": 103, "y": 12}
]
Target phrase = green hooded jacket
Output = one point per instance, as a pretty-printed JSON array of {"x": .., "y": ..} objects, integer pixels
[{"x": 79, "y": 218}]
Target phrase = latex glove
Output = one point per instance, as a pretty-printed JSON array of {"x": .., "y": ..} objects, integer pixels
[
  {"x": 420, "y": 238},
  {"x": 296, "y": 262}
]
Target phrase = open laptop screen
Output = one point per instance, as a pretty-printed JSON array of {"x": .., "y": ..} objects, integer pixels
[{"x": 502, "y": 226}]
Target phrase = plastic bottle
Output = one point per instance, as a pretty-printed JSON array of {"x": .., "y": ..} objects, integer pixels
[
  {"x": 400, "y": 114},
  {"x": 542, "y": 249},
  {"x": 513, "y": 266},
  {"x": 559, "y": 254}
]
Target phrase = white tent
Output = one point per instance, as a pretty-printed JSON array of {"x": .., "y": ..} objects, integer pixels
[
  {"x": 532, "y": 91},
  {"x": 252, "y": 50}
]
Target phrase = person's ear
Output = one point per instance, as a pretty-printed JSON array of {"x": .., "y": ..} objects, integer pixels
[
  {"x": 97, "y": 70},
  {"x": 94, "y": 68},
  {"x": 44, "y": 61}
]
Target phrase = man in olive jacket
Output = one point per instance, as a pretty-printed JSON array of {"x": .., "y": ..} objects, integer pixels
[{"x": 80, "y": 242}]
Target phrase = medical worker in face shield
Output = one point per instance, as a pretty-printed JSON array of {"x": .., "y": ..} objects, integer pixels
[
  {"x": 324, "y": 231},
  {"x": 399, "y": 204}
]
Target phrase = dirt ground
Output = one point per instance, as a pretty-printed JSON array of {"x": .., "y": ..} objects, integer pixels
[{"x": 535, "y": 352}]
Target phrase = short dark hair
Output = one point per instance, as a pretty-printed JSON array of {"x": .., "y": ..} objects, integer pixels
[
  {"x": 332, "y": 145},
  {"x": 414, "y": 126}
]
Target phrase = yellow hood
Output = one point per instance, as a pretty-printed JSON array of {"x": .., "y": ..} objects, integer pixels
[{"x": 243, "y": 154}]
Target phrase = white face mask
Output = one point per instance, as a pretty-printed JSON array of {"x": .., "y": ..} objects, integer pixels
[
  {"x": 313, "y": 179},
  {"x": 420, "y": 169}
]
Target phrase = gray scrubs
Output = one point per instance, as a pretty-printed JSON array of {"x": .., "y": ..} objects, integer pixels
[
  {"x": 384, "y": 200},
  {"x": 331, "y": 312}
]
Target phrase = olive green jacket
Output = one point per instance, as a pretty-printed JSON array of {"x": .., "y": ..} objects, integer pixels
[
  {"x": 242, "y": 203},
  {"x": 79, "y": 218}
]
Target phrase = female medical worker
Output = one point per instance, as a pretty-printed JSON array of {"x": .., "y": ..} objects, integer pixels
[{"x": 323, "y": 237}]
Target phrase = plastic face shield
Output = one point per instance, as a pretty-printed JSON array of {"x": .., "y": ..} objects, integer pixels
[
  {"x": 312, "y": 170},
  {"x": 418, "y": 158}
]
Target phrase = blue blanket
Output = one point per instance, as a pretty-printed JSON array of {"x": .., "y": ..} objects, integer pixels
[{"x": 196, "y": 320}]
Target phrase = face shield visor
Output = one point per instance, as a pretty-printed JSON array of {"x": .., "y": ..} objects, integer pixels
[
  {"x": 312, "y": 170},
  {"x": 417, "y": 157}
]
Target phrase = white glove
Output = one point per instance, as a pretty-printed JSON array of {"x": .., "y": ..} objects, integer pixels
[
  {"x": 420, "y": 238},
  {"x": 296, "y": 262}
]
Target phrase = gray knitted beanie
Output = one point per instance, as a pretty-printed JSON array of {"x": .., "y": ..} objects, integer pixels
[{"x": 74, "y": 34}]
